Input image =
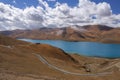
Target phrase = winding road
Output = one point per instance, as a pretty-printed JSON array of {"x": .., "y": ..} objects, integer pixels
[{"x": 43, "y": 60}]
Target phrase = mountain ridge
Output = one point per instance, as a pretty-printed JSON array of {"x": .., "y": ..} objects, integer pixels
[{"x": 97, "y": 33}]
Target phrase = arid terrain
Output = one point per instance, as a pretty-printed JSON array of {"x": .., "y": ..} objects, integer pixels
[
  {"x": 26, "y": 61},
  {"x": 98, "y": 33}
]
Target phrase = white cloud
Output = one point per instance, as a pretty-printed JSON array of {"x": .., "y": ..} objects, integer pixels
[
  {"x": 14, "y": 1},
  {"x": 85, "y": 13},
  {"x": 51, "y": 0}
]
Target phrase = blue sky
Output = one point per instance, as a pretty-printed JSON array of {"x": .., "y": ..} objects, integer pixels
[
  {"x": 115, "y": 4},
  {"x": 32, "y": 14}
]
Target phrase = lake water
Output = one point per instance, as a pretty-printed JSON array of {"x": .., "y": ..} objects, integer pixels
[{"x": 84, "y": 48}]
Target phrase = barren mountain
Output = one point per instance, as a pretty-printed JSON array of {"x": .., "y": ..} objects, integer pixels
[
  {"x": 97, "y": 33},
  {"x": 26, "y": 61}
]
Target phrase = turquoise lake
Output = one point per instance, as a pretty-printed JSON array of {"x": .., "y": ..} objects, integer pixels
[{"x": 93, "y": 49}]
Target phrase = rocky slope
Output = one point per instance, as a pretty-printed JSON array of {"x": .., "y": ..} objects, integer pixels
[
  {"x": 97, "y": 33},
  {"x": 18, "y": 62}
]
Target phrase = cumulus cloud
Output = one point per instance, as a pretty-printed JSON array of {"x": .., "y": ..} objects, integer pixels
[{"x": 85, "y": 13}]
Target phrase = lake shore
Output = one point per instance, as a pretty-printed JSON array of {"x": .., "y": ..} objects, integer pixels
[{"x": 92, "y": 49}]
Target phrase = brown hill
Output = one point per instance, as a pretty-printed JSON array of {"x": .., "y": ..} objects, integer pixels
[
  {"x": 10, "y": 41},
  {"x": 99, "y": 33},
  {"x": 18, "y": 61}
]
